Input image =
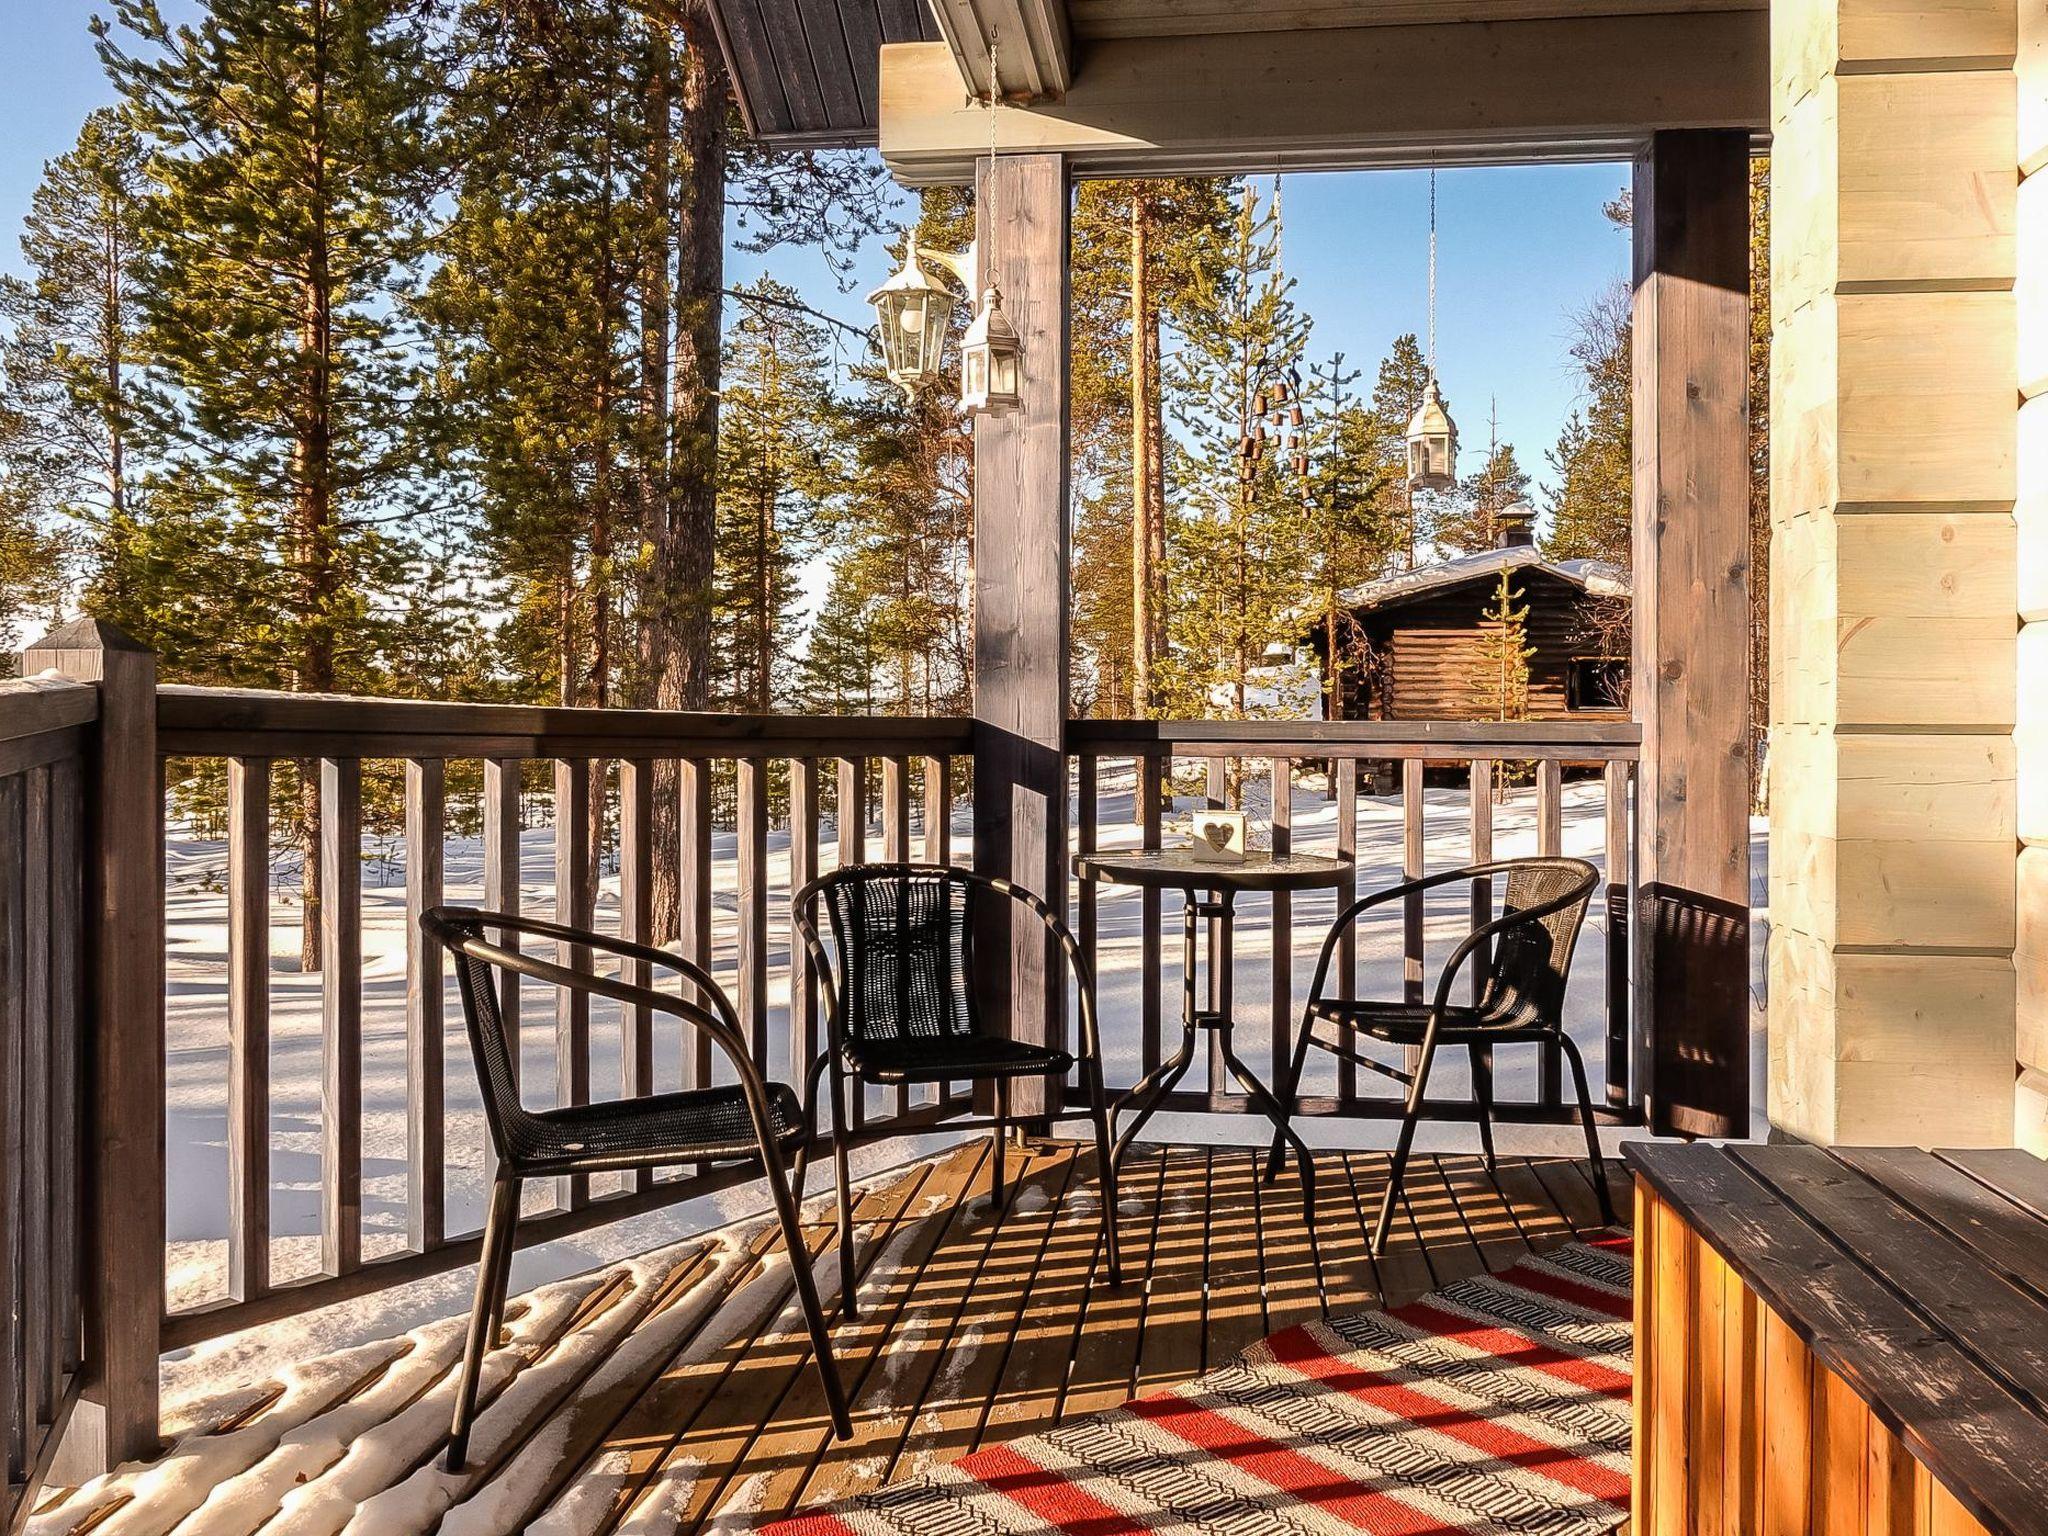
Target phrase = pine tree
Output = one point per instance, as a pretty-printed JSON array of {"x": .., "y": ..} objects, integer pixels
[
  {"x": 68, "y": 353},
  {"x": 1238, "y": 533},
  {"x": 1471, "y": 520},
  {"x": 290, "y": 140},
  {"x": 1500, "y": 673},
  {"x": 778, "y": 452},
  {"x": 1396, "y": 395},
  {"x": 1351, "y": 536},
  {"x": 1590, "y": 511}
]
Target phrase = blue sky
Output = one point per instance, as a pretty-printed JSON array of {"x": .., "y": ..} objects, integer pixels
[{"x": 1520, "y": 249}]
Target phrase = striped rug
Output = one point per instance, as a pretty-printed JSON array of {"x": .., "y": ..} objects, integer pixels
[{"x": 1500, "y": 1404}]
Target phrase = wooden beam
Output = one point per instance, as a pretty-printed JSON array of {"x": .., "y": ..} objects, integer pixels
[
  {"x": 1580, "y": 88},
  {"x": 1034, "y": 47},
  {"x": 1022, "y": 532},
  {"x": 1691, "y": 625}
]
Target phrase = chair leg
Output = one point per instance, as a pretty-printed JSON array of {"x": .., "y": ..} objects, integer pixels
[
  {"x": 493, "y": 1271},
  {"x": 1399, "y": 1170},
  {"x": 1287, "y": 1093},
  {"x": 1105, "y": 1168},
  {"x": 803, "y": 1153},
  {"x": 1482, "y": 1093},
  {"x": 849, "y": 1305},
  {"x": 999, "y": 1195},
  {"x": 807, "y": 1291},
  {"x": 1571, "y": 1051}
]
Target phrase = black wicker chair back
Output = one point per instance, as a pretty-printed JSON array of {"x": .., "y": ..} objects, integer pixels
[
  {"x": 905, "y": 940},
  {"x": 1531, "y": 959}
]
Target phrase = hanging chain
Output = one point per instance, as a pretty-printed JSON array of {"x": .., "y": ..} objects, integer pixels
[
  {"x": 988, "y": 261},
  {"x": 1432, "y": 268}
]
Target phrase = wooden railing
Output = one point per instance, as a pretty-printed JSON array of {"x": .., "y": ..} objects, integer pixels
[
  {"x": 44, "y": 741},
  {"x": 1243, "y": 757},
  {"x": 600, "y": 769}
]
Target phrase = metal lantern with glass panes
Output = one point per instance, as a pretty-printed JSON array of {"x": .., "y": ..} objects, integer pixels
[
  {"x": 1432, "y": 444},
  {"x": 914, "y": 309},
  {"x": 990, "y": 379}
]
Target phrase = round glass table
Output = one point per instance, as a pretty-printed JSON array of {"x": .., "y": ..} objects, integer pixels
[{"x": 1210, "y": 889}]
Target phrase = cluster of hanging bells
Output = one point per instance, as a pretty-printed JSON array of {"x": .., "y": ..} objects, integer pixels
[{"x": 1277, "y": 423}]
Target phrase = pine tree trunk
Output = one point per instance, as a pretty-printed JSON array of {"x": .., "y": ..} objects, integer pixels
[
  {"x": 1142, "y": 470},
  {"x": 677, "y": 598},
  {"x": 312, "y": 494}
]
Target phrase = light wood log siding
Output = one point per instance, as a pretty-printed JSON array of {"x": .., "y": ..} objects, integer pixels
[
  {"x": 1434, "y": 667},
  {"x": 42, "y": 936},
  {"x": 1272, "y": 751},
  {"x": 742, "y": 779}
]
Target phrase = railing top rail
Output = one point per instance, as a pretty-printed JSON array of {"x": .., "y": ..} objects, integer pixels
[
  {"x": 252, "y": 722},
  {"x": 1568, "y": 739},
  {"x": 35, "y": 706}
]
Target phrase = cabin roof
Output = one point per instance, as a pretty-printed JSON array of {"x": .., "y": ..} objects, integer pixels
[{"x": 1597, "y": 578}]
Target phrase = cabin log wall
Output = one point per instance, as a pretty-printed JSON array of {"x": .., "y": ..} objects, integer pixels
[
  {"x": 1894, "y": 774},
  {"x": 1434, "y": 666}
]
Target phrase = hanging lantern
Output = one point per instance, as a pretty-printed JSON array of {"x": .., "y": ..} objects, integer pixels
[
  {"x": 991, "y": 378},
  {"x": 913, "y": 309},
  {"x": 1432, "y": 444}
]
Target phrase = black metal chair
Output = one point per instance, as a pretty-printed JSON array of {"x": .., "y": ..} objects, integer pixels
[
  {"x": 899, "y": 990},
  {"x": 1528, "y": 956},
  {"x": 745, "y": 1120}
]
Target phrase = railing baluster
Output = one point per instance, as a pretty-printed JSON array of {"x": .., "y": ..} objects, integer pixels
[
  {"x": 636, "y": 922},
  {"x": 896, "y": 810},
  {"x": 853, "y": 833},
  {"x": 1482, "y": 853},
  {"x": 1346, "y": 770},
  {"x": 341, "y": 1015},
  {"x": 1412, "y": 865},
  {"x": 248, "y": 1027},
  {"x": 938, "y": 810},
  {"x": 67, "y": 981},
  {"x": 1620, "y": 849},
  {"x": 694, "y": 861},
  {"x": 1152, "y": 771},
  {"x": 896, "y": 847},
  {"x": 1549, "y": 843},
  {"x": 803, "y": 868},
  {"x": 752, "y": 893},
  {"x": 1087, "y": 821},
  {"x": 1480, "y": 813},
  {"x": 426, "y": 1089},
  {"x": 1283, "y": 922},
  {"x": 502, "y": 894},
  {"x": 573, "y": 908},
  {"x": 1217, "y": 786},
  {"x": 37, "y": 1174},
  {"x": 14, "y": 1369}
]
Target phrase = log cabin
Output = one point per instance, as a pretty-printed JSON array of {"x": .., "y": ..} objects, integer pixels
[{"x": 1412, "y": 645}]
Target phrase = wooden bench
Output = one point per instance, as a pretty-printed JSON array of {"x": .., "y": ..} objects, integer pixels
[{"x": 1842, "y": 1341}]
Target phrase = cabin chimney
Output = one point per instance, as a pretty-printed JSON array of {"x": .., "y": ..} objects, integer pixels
[{"x": 1517, "y": 525}]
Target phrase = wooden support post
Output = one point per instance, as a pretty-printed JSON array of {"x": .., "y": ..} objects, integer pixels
[
  {"x": 1899, "y": 698},
  {"x": 116, "y": 1420},
  {"x": 1691, "y": 624},
  {"x": 1022, "y": 532}
]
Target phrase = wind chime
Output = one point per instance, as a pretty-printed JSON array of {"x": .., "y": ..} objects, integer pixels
[
  {"x": 1432, "y": 435},
  {"x": 1276, "y": 422},
  {"x": 914, "y": 309}
]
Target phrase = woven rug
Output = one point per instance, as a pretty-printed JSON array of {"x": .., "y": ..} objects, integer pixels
[{"x": 1500, "y": 1404}]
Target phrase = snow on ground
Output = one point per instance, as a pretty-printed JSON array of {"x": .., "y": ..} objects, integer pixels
[{"x": 197, "y": 1063}]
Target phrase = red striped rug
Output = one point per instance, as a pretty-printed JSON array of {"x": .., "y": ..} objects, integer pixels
[{"x": 1497, "y": 1405}]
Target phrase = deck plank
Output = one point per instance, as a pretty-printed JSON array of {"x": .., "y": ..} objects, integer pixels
[{"x": 974, "y": 1331}]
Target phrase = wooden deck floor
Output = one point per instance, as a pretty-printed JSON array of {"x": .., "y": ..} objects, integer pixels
[{"x": 675, "y": 1394}]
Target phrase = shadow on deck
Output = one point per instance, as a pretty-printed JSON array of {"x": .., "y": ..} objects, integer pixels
[{"x": 674, "y": 1393}]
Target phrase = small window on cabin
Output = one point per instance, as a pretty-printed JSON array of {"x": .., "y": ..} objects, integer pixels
[{"x": 1597, "y": 682}]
